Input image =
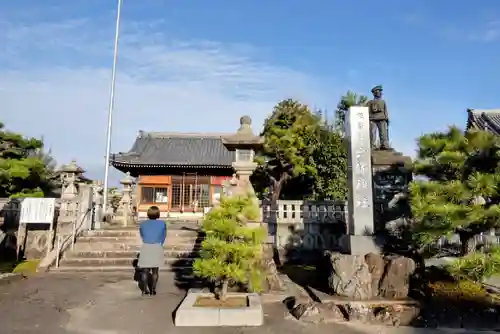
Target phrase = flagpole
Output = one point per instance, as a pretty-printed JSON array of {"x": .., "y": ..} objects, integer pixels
[{"x": 111, "y": 108}]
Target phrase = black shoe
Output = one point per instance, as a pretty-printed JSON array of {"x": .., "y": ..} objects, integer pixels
[
  {"x": 145, "y": 293},
  {"x": 153, "y": 292}
]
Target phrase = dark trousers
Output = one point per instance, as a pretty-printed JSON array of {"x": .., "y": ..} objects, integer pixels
[
  {"x": 382, "y": 128},
  {"x": 149, "y": 279}
]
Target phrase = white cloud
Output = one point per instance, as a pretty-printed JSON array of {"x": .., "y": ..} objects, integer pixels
[{"x": 56, "y": 75}]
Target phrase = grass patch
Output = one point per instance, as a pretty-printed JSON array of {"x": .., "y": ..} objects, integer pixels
[
  {"x": 27, "y": 267},
  {"x": 461, "y": 291}
]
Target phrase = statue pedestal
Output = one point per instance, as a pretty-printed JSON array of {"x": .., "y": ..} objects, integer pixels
[
  {"x": 391, "y": 176},
  {"x": 386, "y": 159}
]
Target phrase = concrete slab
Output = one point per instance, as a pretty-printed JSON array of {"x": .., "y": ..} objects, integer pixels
[{"x": 188, "y": 315}]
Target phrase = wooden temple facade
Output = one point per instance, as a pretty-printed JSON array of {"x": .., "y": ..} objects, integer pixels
[{"x": 181, "y": 173}]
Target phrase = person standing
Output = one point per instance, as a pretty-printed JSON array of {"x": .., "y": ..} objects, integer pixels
[{"x": 151, "y": 257}]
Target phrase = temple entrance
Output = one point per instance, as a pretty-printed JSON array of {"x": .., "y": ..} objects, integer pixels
[{"x": 190, "y": 193}]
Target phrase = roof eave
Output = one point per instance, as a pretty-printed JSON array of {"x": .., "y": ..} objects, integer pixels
[{"x": 117, "y": 164}]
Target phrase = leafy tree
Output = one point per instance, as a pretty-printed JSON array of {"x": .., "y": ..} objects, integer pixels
[
  {"x": 231, "y": 250},
  {"x": 460, "y": 193},
  {"x": 22, "y": 172},
  {"x": 346, "y": 101},
  {"x": 291, "y": 135},
  {"x": 330, "y": 158}
]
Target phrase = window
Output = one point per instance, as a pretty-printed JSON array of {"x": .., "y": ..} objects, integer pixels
[
  {"x": 154, "y": 195},
  {"x": 176, "y": 195}
]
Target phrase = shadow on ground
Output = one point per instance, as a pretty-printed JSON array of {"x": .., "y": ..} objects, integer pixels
[{"x": 183, "y": 267}]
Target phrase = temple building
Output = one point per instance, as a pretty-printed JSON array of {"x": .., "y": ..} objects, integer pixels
[
  {"x": 181, "y": 173},
  {"x": 484, "y": 119}
]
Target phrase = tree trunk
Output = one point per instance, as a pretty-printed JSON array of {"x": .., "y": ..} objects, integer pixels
[
  {"x": 464, "y": 243},
  {"x": 278, "y": 186},
  {"x": 223, "y": 289}
]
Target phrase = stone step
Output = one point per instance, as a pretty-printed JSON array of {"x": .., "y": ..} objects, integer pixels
[
  {"x": 121, "y": 262},
  {"x": 170, "y": 225},
  {"x": 135, "y": 233},
  {"x": 129, "y": 254},
  {"x": 186, "y": 272},
  {"x": 172, "y": 239},
  {"x": 184, "y": 245}
]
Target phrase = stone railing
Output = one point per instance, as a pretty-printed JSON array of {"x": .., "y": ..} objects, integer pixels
[
  {"x": 319, "y": 225},
  {"x": 305, "y": 224}
]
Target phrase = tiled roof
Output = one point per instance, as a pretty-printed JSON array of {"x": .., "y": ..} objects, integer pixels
[
  {"x": 484, "y": 119},
  {"x": 176, "y": 149}
]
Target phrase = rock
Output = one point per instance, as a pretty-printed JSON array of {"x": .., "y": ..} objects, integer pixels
[
  {"x": 360, "y": 313},
  {"x": 376, "y": 267},
  {"x": 313, "y": 312},
  {"x": 350, "y": 276},
  {"x": 396, "y": 280},
  {"x": 307, "y": 312},
  {"x": 272, "y": 278},
  {"x": 396, "y": 315}
]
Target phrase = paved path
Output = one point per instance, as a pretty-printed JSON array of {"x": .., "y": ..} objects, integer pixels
[{"x": 110, "y": 304}]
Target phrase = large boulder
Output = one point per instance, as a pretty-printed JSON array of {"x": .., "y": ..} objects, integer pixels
[
  {"x": 350, "y": 276},
  {"x": 396, "y": 281},
  {"x": 376, "y": 267}
]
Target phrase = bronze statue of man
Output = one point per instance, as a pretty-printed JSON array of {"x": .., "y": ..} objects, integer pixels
[{"x": 379, "y": 119}]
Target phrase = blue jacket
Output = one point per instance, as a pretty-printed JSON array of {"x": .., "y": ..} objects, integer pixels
[{"x": 153, "y": 231}]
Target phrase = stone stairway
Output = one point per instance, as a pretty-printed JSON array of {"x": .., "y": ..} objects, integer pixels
[{"x": 115, "y": 249}]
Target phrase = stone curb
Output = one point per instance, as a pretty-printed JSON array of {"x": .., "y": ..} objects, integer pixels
[
  {"x": 8, "y": 278},
  {"x": 369, "y": 329}
]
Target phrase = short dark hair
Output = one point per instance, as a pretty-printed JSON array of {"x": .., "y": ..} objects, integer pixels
[{"x": 153, "y": 212}]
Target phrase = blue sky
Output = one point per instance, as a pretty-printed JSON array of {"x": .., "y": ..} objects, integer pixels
[{"x": 197, "y": 65}]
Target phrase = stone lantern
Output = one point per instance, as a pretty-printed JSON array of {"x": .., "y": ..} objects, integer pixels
[
  {"x": 244, "y": 143},
  {"x": 69, "y": 191},
  {"x": 69, "y": 174},
  {"x": 125, "y": 207}
]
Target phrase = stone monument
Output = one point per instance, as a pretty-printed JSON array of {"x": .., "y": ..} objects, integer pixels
[{"x": 360, "y": 222}]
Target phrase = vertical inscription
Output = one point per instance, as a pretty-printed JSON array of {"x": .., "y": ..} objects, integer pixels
[{"x": 360, "y": 171}]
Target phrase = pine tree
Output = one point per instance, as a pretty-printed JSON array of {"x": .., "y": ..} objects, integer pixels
[
  {"x": 23, "y": 173},
  {"x": 461, "y": 190},
  {"x": 346, "y": 101},
  {"x": 231, "y": 251}
]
